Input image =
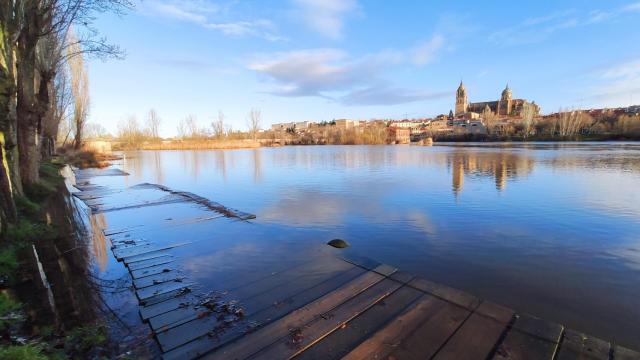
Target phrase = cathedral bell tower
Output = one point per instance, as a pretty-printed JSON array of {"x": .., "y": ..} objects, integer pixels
[
  {"x": 505, "y": 105},
  {"x": 462, "y": 102}
]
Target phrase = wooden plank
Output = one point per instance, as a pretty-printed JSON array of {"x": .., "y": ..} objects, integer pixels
[
  {"x": 321, "y": 268},
  {"x": 475, "y": 339},
  {"x": 147, "y": 312},
  {"x": 125, "y": 245},
  {"x": 521, "y": 346},
  {"x": 157, "y": 279},
  {"x": 269, "y": 308},
  {"x": 425, "y": 341},
  {"x": 306, "y": 335},
  {"x": 141, "y": 205},
  {"x": 165, "y": 297},
  {"x": 497, "y": 312},
  {"x": 361, "y": 261},
  {"x": 189, "y": 331},
  {"x": 143, "y": 264},
  {"x": 151, "y": 270},
  {"x": 426, "y": 312},
  {"x": 146, "y": 256},
  {"x": 622, "y": 353},
  {"x": 145, "y": 249},
  {"x": 128, "y": 243},
  {"x": 452, "y": 295},
  {"x": 261, "y": 298},
  {"x": 344, "y": 339},
  {"x": 280, "y": 328},
  {"x": 260, "y": 295},
  {"x": 576, "y": 345},
  {"x": 538, "y": 327},
  {"x": 177, "y": 317},
  {"x": 171, "y": 338},
  {"x": 155, "y": 290}
]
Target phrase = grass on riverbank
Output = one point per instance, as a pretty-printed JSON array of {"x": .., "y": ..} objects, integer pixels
[
  {"x": 84, "y": 159},
  {"x": 193, "y": 144},
  {"x": 19, "y": 338}
]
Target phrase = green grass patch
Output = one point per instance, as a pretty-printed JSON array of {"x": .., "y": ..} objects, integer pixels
[
  {"x": 50, "y": 174},
  {"x": 9, "y": 263},
  {"x": 85, "y": 338},
  {"x": 26, "y": 231},
  {"x": 26, "y": 207},
  {"x": 7, "y": 306},
  {"x": 40, "y": 191},
  {"x": 22, "y": 352}
]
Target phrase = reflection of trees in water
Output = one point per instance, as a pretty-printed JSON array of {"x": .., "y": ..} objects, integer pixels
[
  {"x": 133, "y": 164},
  {"x": 257, "y": 165},
  {"x": 221, "y": 163},
  {"x": 349, "y": 157},
  {"x": 195, "y": 163},
  {"x": 499, "y": 165},
  {"x": 157, "y": 162},
  {"x": 99, "y": 240},
  {"x": 604, "y": 160}
]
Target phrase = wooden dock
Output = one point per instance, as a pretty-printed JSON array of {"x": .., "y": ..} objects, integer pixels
[{"x": 327, "y": 308}]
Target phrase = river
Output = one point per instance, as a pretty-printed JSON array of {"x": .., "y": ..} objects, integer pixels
[{"x": 551, "y": 229}]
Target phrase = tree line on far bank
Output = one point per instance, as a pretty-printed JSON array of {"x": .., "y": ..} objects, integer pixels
[
  {"x": 563, "y": 125},
  {"x": 132, "y": 133},
  {"x": 44, "y": 83}
]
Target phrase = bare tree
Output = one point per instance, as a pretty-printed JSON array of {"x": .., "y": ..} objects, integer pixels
[
  {"x": 192, "y": 126},
  {"x": 129, "y": 131},
  {"x": 153, "y": 124},
  {"x": 218, "y": 126},
  {"x": 489, "y": 118},
  {"x": 94, "y": 131},
  {"x": 568, "y": 123},
  {"x": 255, "y": 118},
  {"x": 80, "y": 92},
  {"x": 528, "y": 112},
  {"x": 41, "y": 45}
]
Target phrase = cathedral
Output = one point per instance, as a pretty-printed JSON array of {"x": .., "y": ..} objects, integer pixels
[{"x": 506, "y": 106}]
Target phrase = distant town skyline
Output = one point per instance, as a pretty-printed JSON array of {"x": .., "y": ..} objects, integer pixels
[{"x": 325, "y": 59}]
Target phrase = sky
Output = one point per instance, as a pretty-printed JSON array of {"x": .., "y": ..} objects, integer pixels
[{"x": 316, "y": 60}]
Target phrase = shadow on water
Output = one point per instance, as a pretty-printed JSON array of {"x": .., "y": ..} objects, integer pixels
[{"x": 74, "y": 284}]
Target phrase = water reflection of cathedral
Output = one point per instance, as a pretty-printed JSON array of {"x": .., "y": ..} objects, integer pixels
[{"x": 500, "y": 166}]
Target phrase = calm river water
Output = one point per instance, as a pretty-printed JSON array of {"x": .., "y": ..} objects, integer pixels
[{"x": 545, "y": 228}]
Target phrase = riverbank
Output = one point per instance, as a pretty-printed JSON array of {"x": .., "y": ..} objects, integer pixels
[
  {"x": 51, "y": 305},
  {"x": 533, "y": 138},
  {"x": 206, "y": 144},
  {"x": 250, "y": 144}
]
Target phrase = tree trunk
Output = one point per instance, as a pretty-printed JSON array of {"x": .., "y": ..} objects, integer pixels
[
  {"x": 27, "y": 124},
  {"x": 29, "y": 156},
  {"x": 10, "y": 183},
  {"x": 78, "y": 140},
  {"x": 44, "y": 113}
]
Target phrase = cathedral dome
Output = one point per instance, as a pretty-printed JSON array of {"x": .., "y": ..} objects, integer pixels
[{"x": 506, "y": 93}]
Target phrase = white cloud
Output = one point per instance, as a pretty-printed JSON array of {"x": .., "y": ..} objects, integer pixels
[
  {"x": 537, "y": 29},
  {"x": 200, "y": 12},
  {"x": 389, "y": 95},
  {"x": 634, "y": 7},
  {"x": 313, "y": 72},
  {"x": 327, "y": 17},
  {"x": 426, "y": 52},
  {"x": 617, "y": 84},
  {"x": 333, "y": 74}
]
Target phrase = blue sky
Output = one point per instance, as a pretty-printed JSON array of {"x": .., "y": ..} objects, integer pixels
[{"x": 323, "y": 59}]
